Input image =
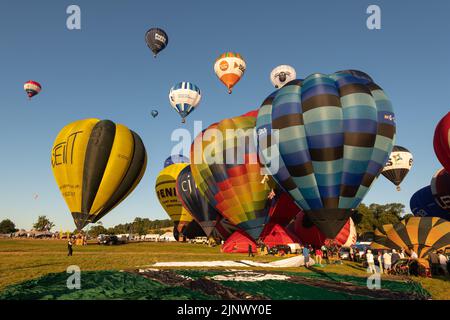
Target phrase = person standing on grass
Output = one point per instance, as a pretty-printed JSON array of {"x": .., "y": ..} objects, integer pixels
[
  {"x": 69, "y": 247},
  {"x": 250, "y": 251},
  {"x": 319, "y": 255},
  {"x": 380, "y": 261},
  {"x": 414, "y": 254},
  {"x": 394, "y": 257},
  {"x": 306, "y": 255},
  {"x": 370, "y": 261},
  {"x": 387, "y": 261},
  {"x": 443, "y": 262}
]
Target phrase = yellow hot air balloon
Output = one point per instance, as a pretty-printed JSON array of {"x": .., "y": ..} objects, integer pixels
[
  {"x": 229, "y": 68},
  {"x": 166, "y": 191},
  {"x": 96, "y": 164}
]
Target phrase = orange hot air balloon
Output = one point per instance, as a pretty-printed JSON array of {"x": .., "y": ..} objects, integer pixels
[{"x": 229, "y": 68}]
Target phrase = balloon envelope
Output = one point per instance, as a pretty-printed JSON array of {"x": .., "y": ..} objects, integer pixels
[
  {"x": 175, "y": 158},
  {"x": 154, "y": 113},
  {"x": 281, "y": 75},
  {"x": 332, "y": 136},
  {"x": 96, "y": 164},
  {"x": 229, "y": 174},
  {"x": 397, "y": 167},
  {"x": 441, "y": 141},
  {"x": 423, "y": 204},
  {"x": 184, "y": 97},
  {"x": 156, "y": 40},
  {"x": 229, "y": 68},
  {"x": 166, "y": 192},
  {"x": 440, "y": 188},
  {"x": 422, "y": 234},
  {"x": 197, "y": 205},
  {"x": 32, "y": 88}
]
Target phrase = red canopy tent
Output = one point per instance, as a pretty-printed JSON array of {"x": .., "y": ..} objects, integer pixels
[
  {"x": 238, "y": 243},
  {"x": 274, "y": 234}
]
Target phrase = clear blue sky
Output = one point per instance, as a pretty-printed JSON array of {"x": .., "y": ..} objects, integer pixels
[{"x": 106, "y": 71}]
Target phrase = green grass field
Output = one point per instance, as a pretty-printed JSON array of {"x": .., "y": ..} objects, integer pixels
[{"x": 22, "y": 260}]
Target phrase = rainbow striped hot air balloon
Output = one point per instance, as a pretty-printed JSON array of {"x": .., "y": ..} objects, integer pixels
[
  {"x": 230, "y": 68},
  {"x": 335, "y": 133},
  {"x": 228, "y": 174}
]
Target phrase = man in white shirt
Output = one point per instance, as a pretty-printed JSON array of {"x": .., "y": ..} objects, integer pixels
[
  {"x": 387, "y": 261},
  {"x": 443, "y": 261},
  {"x": 414, "y": 254},
  {"x": 370, "y": 261}
]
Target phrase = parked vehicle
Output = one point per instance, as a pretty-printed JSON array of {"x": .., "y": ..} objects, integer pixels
[
  {"x": 280, "y": 249},
  {"x": 201, "y": 240},
  {"x": 109, "y": 240}
]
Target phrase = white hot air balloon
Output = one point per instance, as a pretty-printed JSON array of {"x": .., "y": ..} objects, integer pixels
[
  {"x": 281, "y": 75},
  {"x": 184, "y": 97}
]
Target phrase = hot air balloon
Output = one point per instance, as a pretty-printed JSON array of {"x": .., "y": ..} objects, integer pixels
[
  {"x": 229, "y": 174},
  {"x": 422, "y": 234},
  {"x": 32, "y": 88},
  {"x": 197, "y": 205},
  {"x": 308, "y": 233},
  {"x": 281, "y": 75},
  {"x": 154, "y": 113},
  {"x": 440, "y": 188},
  {"x": 441, "y": 141},
  {"x": 165, "y": 188},
  {"x": 96, "y": 164},
  {"x": 184, "y": 98},
  {"x": 332, "y": 136},
  {"x": 224, "y": 228},
  {"x": 423, "y": 204},
  {"x": 175, "y": 158},
  {"x": 156, "y": 40},
  {"x": 229, "y": 68},
  {"x": 397, "y": 167}
]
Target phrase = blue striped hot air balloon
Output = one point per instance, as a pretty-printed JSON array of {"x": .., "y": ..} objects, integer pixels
[
  {"x": 184, "y": 97},
  {"x": 335, "y": 133}
]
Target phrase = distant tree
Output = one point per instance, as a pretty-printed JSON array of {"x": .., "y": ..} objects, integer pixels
[
  {"x": 375, "y": 215},
  {"x": 43, "y": 224},
  {"x": 7, "y": 226},
  {"x": 97, "y": 230}
]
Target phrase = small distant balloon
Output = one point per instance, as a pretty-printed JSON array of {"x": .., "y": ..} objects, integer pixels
[
  {"x": 154, "y": 113},
  {"x": 35, "y": 196},
  {"x": 32, "y": 88}
]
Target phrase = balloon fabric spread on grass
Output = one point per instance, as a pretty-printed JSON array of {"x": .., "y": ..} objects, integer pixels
[
  {"x": 335, "y": 133},
  {"x": 100, "y": 285},
  {"x": 422, "y": 234},
  {"x": 96, "y": 164},
  {"x": 235, "y": 187}
]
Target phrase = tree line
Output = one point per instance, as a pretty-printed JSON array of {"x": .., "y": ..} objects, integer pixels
[{"x": 367, "y": 219}]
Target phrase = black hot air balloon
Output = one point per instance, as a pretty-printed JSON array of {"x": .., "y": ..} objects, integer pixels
[
  {"x": 156, "y": 40},
  {"x": 197, "y": 205},
  {"x": 399, "y": 163}
]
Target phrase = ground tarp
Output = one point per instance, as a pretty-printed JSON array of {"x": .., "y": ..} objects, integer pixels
[
  {"x": 238, "y": 242},
  {"x": 188, "y": 284}
]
